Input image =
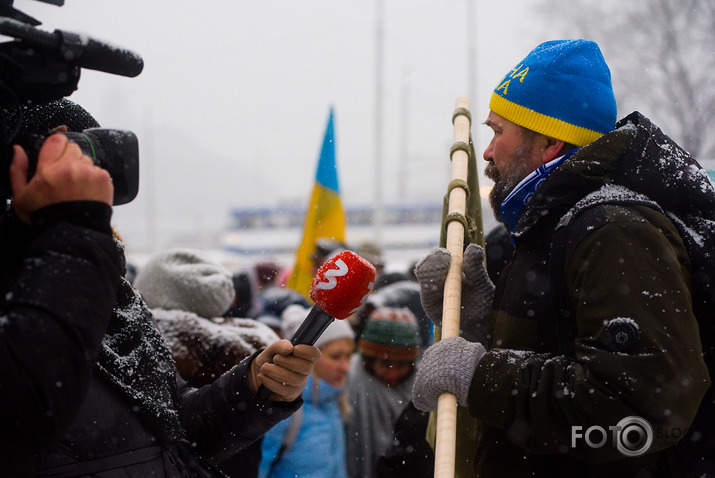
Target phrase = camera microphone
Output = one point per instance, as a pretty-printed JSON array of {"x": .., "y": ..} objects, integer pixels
[
  {"x": 79, "y": 50},
  {"x": 340, "y": 287},
  {"x": 37, "y": 67},
  {"x": 97, "y": 55}
]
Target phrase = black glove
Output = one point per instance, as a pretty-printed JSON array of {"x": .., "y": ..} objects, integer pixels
[{"x": 477, "y": 290}]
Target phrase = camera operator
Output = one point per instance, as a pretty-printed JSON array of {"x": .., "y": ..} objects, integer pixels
[
  {"x": 56, "y": 232},
  {"x": 88, "y": 384}
]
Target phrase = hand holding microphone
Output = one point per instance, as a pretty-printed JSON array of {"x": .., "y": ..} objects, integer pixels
[
  {"x": 339, "y": 288},
  {"x": 284, "y": 368}
]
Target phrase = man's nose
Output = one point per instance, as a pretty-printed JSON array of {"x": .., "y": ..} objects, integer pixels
[{"x": 487, "y": 154}]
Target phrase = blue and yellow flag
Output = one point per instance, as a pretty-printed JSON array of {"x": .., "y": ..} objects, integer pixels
[{"x": 325, "y": 217}]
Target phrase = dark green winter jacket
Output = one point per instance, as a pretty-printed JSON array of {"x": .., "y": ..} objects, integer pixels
[{"x": 628, "y": 345}]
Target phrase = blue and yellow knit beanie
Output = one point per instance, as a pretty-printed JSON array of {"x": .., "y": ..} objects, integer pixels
[{"x": 562, "y": 89}]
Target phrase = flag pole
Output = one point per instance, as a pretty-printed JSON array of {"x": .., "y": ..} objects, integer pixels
[
  {"x": 378, "y": 208},
  {"x": 446, "y": 434}
]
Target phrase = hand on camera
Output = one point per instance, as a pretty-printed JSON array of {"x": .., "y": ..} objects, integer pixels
[
  {"x": 63, "y": 174},
  {"x": 284, "y": 369}
]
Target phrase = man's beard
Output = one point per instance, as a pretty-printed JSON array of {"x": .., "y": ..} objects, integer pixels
[{"x": 503, "y": 185}]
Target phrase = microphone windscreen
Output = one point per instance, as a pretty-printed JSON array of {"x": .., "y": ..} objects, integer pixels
[
  {"x": 98, "y": 55},
  {"x": 342, "y": 284},
  {"x": 109, "y": 59}
]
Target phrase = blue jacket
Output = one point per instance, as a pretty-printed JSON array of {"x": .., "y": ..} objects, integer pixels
[{"x": 319, "y": 448}]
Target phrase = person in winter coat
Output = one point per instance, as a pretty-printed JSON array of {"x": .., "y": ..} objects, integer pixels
[
  {"x": 187, "y": 292},
  {"x": 311, "y": 443},
  {"x": 605, "y": 339},
  {"x": 126, "y": 412},
  {"x": 379, "y": 385},
  {"x": 55, "y": 243}
]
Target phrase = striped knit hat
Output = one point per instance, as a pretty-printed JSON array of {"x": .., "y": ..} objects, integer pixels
[
  {"x": 562, "y": 89},
  {"x": 390, "y": 333}
]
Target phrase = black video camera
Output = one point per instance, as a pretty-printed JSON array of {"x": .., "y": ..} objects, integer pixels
[{"x": 40, "y": 66}]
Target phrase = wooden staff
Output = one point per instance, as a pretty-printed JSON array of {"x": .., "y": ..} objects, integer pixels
[{"x": 446, "y": 435}]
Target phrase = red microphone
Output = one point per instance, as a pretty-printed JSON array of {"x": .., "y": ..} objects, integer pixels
[{"x": 340, "y": 287}]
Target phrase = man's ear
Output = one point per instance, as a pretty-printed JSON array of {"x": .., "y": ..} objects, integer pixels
[{"x": 551, "y": 149}]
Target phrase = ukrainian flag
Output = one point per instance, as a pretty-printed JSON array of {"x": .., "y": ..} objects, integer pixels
[{"x": 325, "y": 217}]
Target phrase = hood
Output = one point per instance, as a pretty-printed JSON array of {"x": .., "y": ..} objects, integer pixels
[{"x": 637, "y": 155}]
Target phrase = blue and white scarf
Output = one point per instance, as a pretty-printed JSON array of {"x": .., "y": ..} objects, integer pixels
[{"x": 514, "y": 204}]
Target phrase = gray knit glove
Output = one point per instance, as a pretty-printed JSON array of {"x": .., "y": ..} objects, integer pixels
[
  {"x": 477, "y": 290},
  {"x": 447, "y": 366}
]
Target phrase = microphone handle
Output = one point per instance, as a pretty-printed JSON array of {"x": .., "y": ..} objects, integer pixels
[
  {"x": 312, "y": 327},
  {"x": 308, "y": 332}
]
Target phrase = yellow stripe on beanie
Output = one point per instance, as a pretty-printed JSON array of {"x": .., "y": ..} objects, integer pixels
[{"x": 546, "y": 125}]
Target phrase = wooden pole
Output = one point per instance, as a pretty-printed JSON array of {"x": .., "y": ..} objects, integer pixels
[{"x": 446, "y": 436}]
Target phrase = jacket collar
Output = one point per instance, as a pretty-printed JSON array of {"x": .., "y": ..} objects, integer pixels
[{"x": 581, "y": 173}]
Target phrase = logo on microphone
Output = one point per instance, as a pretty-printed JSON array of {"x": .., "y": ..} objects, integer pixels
[
  {"x": 364, "y": 298},
  {"x": 331, "y": 274},
  {"x": 331, "y": 282},
  {"x": 342, "y": 284}
]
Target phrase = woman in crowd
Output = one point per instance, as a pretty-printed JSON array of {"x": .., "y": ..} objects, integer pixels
[{"x": 311, "y": 443}]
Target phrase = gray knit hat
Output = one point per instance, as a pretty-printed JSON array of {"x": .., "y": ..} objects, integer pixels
[{"x": 186, "y": 279}]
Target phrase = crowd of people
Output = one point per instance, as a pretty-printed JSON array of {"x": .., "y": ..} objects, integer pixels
[
  {"x": 586, "y": 307},
  {"x": 213, "y": 318}
]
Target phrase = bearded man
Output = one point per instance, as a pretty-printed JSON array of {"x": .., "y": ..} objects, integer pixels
[{"x": 586, "y": 359}]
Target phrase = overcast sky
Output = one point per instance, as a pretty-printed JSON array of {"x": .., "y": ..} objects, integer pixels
[{"x": 232, "y": 104}]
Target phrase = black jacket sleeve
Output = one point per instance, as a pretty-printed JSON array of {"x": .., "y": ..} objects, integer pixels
[
  {"x": 226, "y": 416},
  {"x": 58, "y": 283}
]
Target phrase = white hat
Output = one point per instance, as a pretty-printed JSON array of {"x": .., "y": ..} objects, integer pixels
[{"x": 294, "y": 315}]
